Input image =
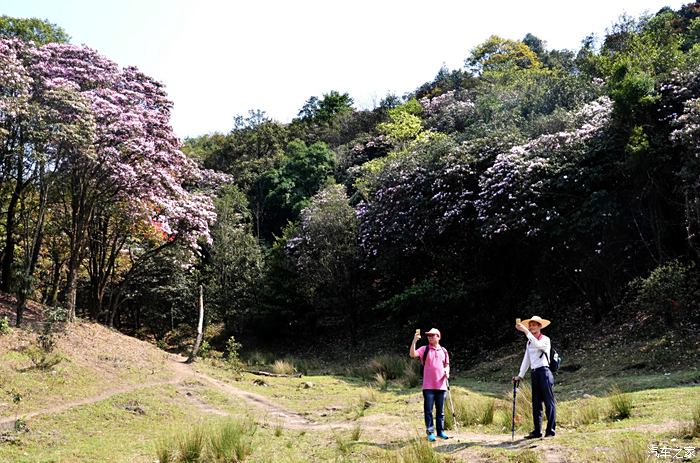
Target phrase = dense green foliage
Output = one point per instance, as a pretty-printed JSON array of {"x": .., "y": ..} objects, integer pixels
[
  {"x": 32, "y": 29},
  {"x": 531, "y": 181}
]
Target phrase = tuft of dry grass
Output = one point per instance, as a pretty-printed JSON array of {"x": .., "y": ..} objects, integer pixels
[
  {"x": 283, "y": 367},
  {"x": 381, "y": 382},
  {"x": 620, "y": 404},
  {"x": 418, "y": 450},
  {"x": 630, "y": 451}
]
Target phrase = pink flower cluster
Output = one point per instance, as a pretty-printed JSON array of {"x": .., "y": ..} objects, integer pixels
[{"x": 111, "y": 127}]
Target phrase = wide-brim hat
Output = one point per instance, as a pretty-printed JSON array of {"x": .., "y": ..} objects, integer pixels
[
  {"x": 537, "y": 319},
  {"x": 434, "y": 331}
]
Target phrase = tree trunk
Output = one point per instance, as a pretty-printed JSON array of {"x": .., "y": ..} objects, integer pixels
[
  {"x": 81, "y": 213},
  {"x": 200, "y": 327},
  {"x": 27, "y": 286},
  {"x": 70, "y": 291},
  {"x": 9, "y": 252},
  {"x": 52, "y": 296},
  {"x": 115, "y": 300},
  {"x": 692, "y": 219}
]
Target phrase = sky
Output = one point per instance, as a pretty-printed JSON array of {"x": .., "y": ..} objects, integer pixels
[{"x": 222, "y": 58}]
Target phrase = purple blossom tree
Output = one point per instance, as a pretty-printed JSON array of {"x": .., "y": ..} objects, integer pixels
[
  {"x": 681, "y": 98},
  {"x": 325, "y": 252},
  {"x": 418, "y": 205},
  {"x": 525, "y": 188},
  {"x": 116, "y": 155}
]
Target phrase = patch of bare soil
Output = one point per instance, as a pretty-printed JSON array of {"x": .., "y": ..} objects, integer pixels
[{"x": 115, "y": 355}]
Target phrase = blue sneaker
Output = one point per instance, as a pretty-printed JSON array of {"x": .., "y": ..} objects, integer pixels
[
  {"x": 431, "y": 437},
  {"x": 442, "y": 435}
]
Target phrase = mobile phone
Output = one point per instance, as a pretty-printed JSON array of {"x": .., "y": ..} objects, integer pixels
[{"x": 517, "y": 321}]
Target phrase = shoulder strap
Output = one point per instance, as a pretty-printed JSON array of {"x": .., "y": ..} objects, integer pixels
[
  {"x": 546, "y": 354},
  {"x": 425, "y": 354},
  {"x": 543, "y": 352}
]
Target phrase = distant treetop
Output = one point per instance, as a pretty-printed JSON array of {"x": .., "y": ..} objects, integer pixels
[{"x": 39, "y": 31}]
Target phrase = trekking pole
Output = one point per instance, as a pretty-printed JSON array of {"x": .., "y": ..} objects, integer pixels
[
  {"x": 512, "y": 427},
  {"x": 452, "y": 405}
]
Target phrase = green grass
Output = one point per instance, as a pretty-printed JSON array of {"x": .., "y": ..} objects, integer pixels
[
  {"x": 70, "y": 372},
  {"x": 190, "y": 446},
  {"x": 81, "y": 434},
  {"x": 361, "y": 419},
  {"x": 104, "y": 431},
  {"x": 469, "y": 409}
]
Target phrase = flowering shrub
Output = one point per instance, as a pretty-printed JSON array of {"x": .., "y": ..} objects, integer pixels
[
  {"x": 449, "y": 112},
  {"x": 526, "y": 187},
  {"x": 416, "y": 199}
]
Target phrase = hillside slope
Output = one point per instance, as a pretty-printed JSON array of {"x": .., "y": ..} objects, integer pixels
[{"x": 117, "y": 399}]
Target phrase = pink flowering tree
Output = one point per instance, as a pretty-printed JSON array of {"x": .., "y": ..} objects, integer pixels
[
  {"x": 117, "y": 161},
  {"x": 553, "y": 196},
  {"x": 14, "y": 110},
  {"x": 43, "y": 122},
  {"x": 325, "y": 253},
  {"x": 449, "y": 112},
  {"x": 419, "y": 207},
  {"x": 526, "y": 187}
]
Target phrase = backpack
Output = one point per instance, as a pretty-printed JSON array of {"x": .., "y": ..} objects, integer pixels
[{"x": 555, "y": 361}]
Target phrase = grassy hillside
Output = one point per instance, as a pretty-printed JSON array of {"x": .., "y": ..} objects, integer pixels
[{"x": 117, "y": 399}]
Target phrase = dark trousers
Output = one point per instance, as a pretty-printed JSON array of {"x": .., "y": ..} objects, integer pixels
[
  {"x": 434, "y": 397},
  {"x": 543, "y": 391}
]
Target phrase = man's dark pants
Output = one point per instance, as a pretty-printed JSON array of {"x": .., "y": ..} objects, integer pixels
[
  {"x": 436, "y": 397},
  {"x": 543, "y": 391}
]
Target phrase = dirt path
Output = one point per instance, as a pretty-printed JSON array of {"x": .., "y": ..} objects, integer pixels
[
  {"x": 8, "y": 422},
  {"x": 462, "y": 443},
  {"x": 179, "y": 376},
  {"x": 184, "y": 375}
]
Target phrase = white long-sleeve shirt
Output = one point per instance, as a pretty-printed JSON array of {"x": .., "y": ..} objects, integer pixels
[{"x": 533, "y": 357}]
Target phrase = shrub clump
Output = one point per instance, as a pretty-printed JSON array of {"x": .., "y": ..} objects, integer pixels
[{"x": 670, "y": 291}]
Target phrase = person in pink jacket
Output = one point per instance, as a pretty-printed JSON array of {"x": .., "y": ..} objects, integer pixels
[{"x": 436, "y": 371}]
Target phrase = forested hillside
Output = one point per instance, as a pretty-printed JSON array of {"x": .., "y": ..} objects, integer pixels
[{"x": 564, "y": 183}]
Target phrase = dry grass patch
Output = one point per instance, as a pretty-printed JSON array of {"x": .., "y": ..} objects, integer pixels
[
  {"x": 620, "y": 404},
  {"x": 228, "y": 442},
  {"x": 631, "y": 451},
  {"x": 283, "y": 367},
  {"x": 418, "y": 450}
]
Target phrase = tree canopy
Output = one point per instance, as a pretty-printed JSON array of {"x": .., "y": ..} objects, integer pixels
[{"x": 531, "y": 179}]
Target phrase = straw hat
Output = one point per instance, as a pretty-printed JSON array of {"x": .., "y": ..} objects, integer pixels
[{"x": 537, "y": 319}]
